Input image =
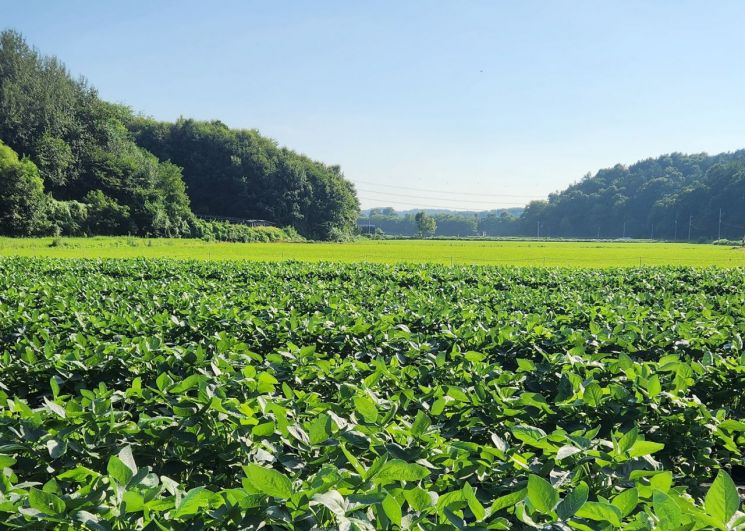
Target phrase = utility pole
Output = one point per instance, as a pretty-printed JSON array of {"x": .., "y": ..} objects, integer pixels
[
  {"x": 690, "y": 224},
  {"x": 624, "y": 229},
  {"x": 676, "y": 230},
  {"x": 719, "y": 230},
  {"x": 538, "y": 229}
]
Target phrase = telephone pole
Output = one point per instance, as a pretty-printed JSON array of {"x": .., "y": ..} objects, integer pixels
[
  {"x": 690, "y": 223},
  {"x": 719, "y": 230},
  {"x": 624, "y": 229},
  {"x": 538, "y": 229},
  {"x": 676, "y": 230}
]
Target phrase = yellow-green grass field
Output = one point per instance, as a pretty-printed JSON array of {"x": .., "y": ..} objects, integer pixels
[{"x": 456, "y": 252}]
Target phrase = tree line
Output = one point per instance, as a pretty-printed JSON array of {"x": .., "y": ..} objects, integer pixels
[
  {"x": 71, "y": 163},
  {"x": 676, "y": 197},
  {"x": 673, "y": 197}
]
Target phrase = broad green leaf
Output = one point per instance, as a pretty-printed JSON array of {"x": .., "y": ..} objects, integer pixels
[
  {"x": 567, "y": 451},
  {"x": 187, "y": 384},
  {"x": 641, "y": 448},
  {"x": 662, "y": 481},
  {"x": 666, "y": 510},
  {"x": 626, "y": 501},
  {"x": 79, "y": 474},
  {"x": 56, "y": 448},
  {"x": 473, "y": 503},
  {"x": 508, "y": 500},
  {"x": 653, "y": 386},
  {"x": 528, "y": 434},
  {"x": 573, "y": 501},
  {"x": 457, "y": 393},
  {"x": 438, "y": 406},
  {"x": 593, "y": 394},
  {"x": 392, "y": 509},
  {"x": 722, "y": 499},
  {"x": 128, "y": 459},
  {"x": 420, "y": 424},
  {"x": 55, "y": 408},
  {"x": 133, "y": 501},
  {"x": 320, "y": 429},
  {"x": 45, "y": 502},
  {"x": 6, "y": 461},
  {"x": 541, "y": 494},
  {"x": 627, "y": 440},
  {"x": 600, "y": 512},
  {"x": 193, "y": 502},
  {"x": 268, "y": 481},
  {"x": 732, "y": 425},
  {"x": 332, "y": 500},
  {"x": 119, "y": 471},
  {"x": 418, "y": 498},
  {"x": 366, "y": 407},
  {"x": 398, "y": 470}
]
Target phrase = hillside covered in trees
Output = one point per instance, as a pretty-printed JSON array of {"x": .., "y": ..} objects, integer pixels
[
  {"x": 71, "y": 163},
  {"x": 655, "y": 198},
  {"x": 660, "y": 198}
]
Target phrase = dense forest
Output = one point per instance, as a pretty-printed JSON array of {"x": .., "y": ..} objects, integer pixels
[
  {"x": 673, "y": 197},
  {"x": 71, "y": 163},
  {"x": 241, "y": 174},
  {"x": 658, "y": 198}
]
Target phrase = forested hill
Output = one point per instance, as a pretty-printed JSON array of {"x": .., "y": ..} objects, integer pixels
[
  {"x": 242, "y": 174},
  {"x": 72, "y": 163},
  {"x": 659, "y": 198}
]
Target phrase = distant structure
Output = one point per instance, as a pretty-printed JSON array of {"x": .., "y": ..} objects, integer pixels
[
  {"x": 367, "y": 228},
  {"x": 239, "y": 221}
]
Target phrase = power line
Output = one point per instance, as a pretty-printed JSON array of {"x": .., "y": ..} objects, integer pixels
[
  {"x": 387, "y": 202},
  {"x": 396, "y": 194},
  {"x": 448, "y": 192}
]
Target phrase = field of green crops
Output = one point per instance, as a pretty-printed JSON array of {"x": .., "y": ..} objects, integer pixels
[
  {"x": 446, "y": 252},
  {"x": 223, "y": 395}
]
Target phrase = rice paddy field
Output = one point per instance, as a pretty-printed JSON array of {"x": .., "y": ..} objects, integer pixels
[{"x": 444, "y": 252}]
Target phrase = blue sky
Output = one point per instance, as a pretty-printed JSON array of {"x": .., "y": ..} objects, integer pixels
[{"x": 462, "y": 104}]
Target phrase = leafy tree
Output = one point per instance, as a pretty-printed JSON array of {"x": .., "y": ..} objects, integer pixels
[
  {"x": 425, "y": 224},
  {"x": 239, "y": 173},
  {"x": 22, "y": 199}
]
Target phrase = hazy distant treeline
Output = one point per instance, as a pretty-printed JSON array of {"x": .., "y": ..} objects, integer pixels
[{"x": 672, "y": 197}]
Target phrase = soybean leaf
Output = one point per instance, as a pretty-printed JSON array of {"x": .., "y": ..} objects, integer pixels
[
  {"x": 268, "y": 481},
  {"x": 573, "y": 501},
  {"x": 541, "y": 494},
  {"x": 722, "y": 499}
]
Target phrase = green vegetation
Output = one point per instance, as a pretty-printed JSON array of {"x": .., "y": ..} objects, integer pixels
[
  {"x": 426, "y": 224},
  {"x": 659, "y": 197},
  {"x": 193, "y": 395},
  {"x": 241, "y": 174},
  {"x": 449, "y": 252},
  {"x": 655, "y": 198},
  {"x": 69, "y": 165}
]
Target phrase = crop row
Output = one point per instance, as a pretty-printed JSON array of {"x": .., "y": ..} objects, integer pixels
[{"x": 185, "y": 395}]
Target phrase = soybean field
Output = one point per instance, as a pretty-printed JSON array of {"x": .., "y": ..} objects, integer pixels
[{"x": 164, "y": 394}]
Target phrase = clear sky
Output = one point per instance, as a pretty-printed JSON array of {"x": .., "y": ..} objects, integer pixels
[{"x": 460, "y": 104}]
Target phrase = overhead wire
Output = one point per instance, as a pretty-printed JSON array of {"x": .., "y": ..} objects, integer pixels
[
  {"x": 448, "y": 192},
  {"x": 388, "y": 195}
]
